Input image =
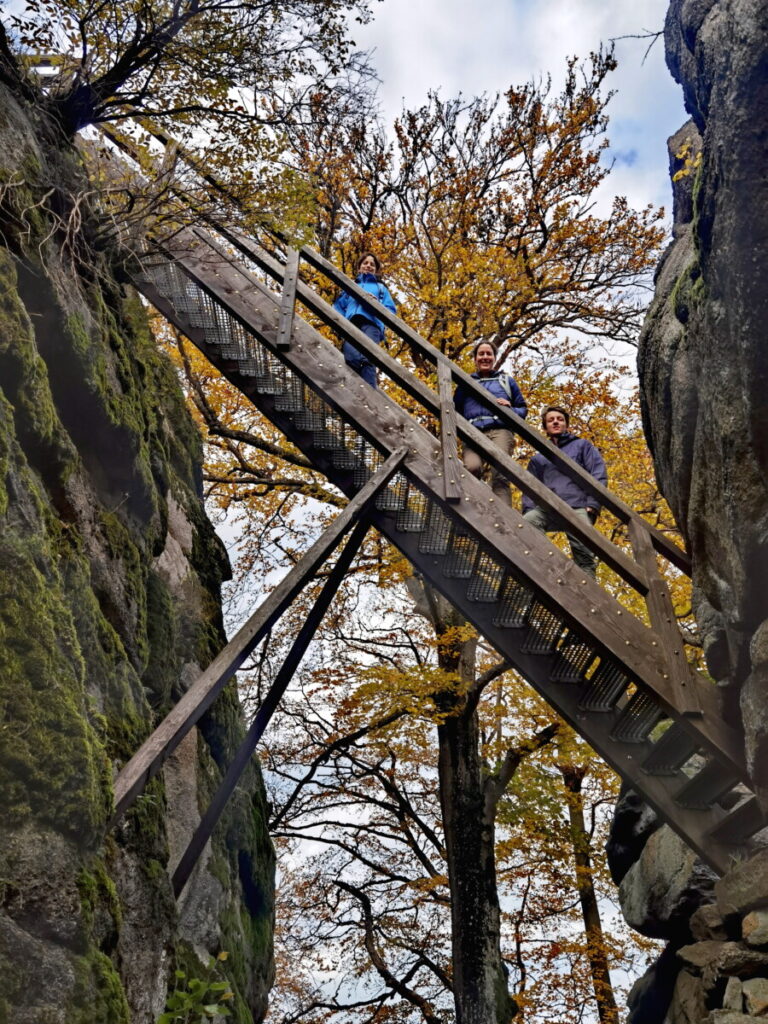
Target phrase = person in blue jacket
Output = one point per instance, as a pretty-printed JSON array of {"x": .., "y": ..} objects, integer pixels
[
  {"x": 505, "y": 392},
  {"x": 363, "y": 318},
  {"x": 555, "y": 421}
]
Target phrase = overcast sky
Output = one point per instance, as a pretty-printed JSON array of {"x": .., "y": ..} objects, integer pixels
[{"x": 457, "y": 46}]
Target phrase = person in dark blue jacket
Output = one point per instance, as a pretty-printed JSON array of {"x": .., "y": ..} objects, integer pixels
[
  {"x": 363, "y": 318},
  {"x": 555, "y": 421},
  {"x": 505, "y": 391}
]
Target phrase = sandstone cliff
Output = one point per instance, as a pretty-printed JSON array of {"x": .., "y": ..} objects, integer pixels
[
  {"x": 109, "y": 606},
  {"x": 703, "y": 357},
  {"x": 703, "y": 366}
]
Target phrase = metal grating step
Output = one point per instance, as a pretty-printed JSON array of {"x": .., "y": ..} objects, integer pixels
[
  {"x": 706, "y": 787},
  {"x": 328, "y": 439},
  {"x": 638, "y": 718},
  {"x": 413, "y": 515},
  {"x": 740, "y": 823},
  {"x": 460, "y": 559},
  {"x": 603, "y": 689},
  {"x": 393, "y": 499},
  {"x": 485, "y": 583},
  {"x": 544, "y": 630},
  {"x": 670, "y": 752},
  {"x": 267, "y": 383},
  {"x": 292, "y": 399},
  {"x": 514, "y": 603},
  {"x": 436, "y": 535},
  {"x": 574, "y": 656}
]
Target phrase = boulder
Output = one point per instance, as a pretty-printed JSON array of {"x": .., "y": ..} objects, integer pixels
[{"x": 664, "y": 887}]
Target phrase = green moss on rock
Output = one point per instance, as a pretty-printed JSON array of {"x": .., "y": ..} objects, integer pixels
[
  {"x": 53, "y": 765},
  {"x": 99, "y": 995}
]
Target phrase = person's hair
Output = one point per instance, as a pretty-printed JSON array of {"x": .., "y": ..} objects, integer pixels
[
  {"x": 479, "y": 344},
  {"x": 555, "y": 408},
  {"x": 374, "y": 257}
]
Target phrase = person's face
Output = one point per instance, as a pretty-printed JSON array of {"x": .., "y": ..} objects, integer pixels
[
  {"x": 367, "y": 265},
  {"x": 554, "y": 424},
  {"x": 484, "y": 359}
]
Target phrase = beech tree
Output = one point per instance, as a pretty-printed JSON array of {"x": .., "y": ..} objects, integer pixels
[
  {"x": 220, "y": 78},
  {"x": 185, "y": 64},
  {"x": 359, "y": 812},
  {"x": 483, "y": 213}
]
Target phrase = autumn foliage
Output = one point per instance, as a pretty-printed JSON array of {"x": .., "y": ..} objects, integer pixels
[{"x": 430, "y": 810}]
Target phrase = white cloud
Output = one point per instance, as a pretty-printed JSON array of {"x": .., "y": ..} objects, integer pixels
[{"x": 454, "y": 47}]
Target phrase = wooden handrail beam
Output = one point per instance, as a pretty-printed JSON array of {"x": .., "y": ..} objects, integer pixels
[{"x": 609, "y": 553}]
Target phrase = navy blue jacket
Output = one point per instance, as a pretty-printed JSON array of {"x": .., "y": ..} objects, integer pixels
[
  {"x": 349, "y": 306},
  {"x": 479, "y": 415},
  {"x": 588, "y": 457}
]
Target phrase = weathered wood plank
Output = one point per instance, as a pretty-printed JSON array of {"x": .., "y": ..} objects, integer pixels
[
  {"x": 149, "y": 757},
  {"x": 663, "y": 623},
  {"x": 449, "y": 448},
  {"x": 288, "y": 300}
]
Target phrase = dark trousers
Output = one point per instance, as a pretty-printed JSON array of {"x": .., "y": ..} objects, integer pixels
[{"x": 357, "y": 360}]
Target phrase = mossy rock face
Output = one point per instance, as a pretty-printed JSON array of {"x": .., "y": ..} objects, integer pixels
[{"x": 109, "y": 607}]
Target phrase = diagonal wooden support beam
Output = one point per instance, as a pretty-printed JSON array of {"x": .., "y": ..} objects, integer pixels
[
  {"x": 267, "y": 709},
  {"x": 148, "y": 759}
]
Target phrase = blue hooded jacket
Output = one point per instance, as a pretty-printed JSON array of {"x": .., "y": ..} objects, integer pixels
[
  {"x": 479, "y": 415},
  {"x": 349, "y": 306},
  {"x": 581, "y": 451}
]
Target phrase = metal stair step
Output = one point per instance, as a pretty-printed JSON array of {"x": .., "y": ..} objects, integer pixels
[
  {"x": 292, "y": 398},
  {"x": 671, "y": 751},
  {"x": 327, "y": 440},
  {"x": 514, "y": 602},
  {"x": 544, "y": 630},
  {"x": 412, "y": 516},
  {"x": 393, "y": 499},
  {"x": 485, "y": 582},
  {"x": 308, "y": 419},
  {"x": 713, "y": 781},
  {"x": 640, "y": 716},
  {"x": 573, "y": 659},
  {"x": 345, "y": 458},
  {"x": 267, "y": 384},
  {"x": 603, "y": 689},
  {"x": 436, "y": 534},
  {"x": 740, "y": 823},
  {"x": 459, "y": 561}
]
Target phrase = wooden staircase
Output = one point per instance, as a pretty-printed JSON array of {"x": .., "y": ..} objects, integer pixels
[{"x": 624, "y": 686}]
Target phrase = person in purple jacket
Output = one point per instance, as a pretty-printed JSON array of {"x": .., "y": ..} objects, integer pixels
[
  {"x": 504, "y": 391},
  {"x": 555, "y": 422}
]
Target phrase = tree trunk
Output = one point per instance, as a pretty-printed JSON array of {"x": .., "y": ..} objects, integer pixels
[
  {"x": 598, "y": 960},
  {"x": 479, "y": 974}
]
